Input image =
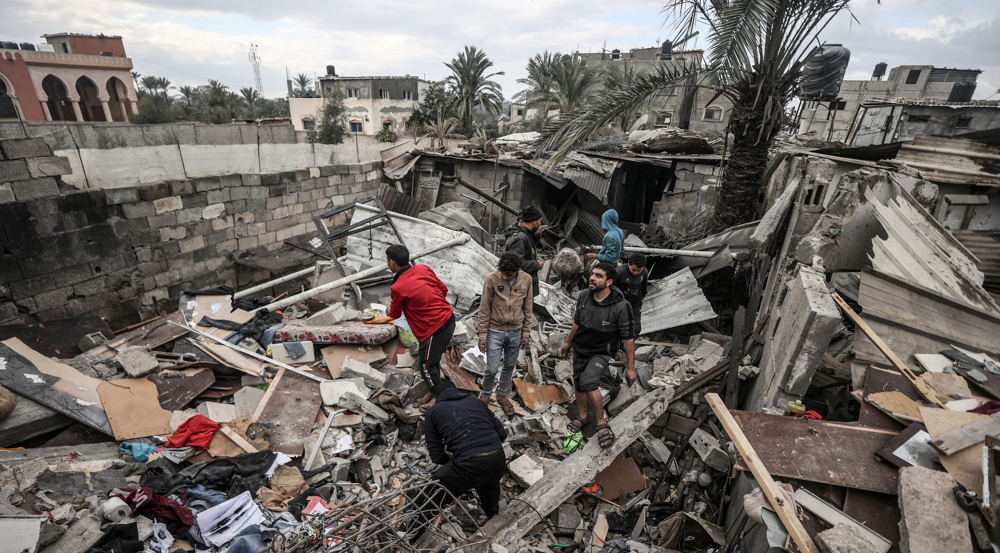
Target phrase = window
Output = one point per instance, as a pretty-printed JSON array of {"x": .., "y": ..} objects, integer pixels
[
  {"x": 357, "y": 127},
  {"x": 65, "y": 48},
  {"x": 308, "y": 124},
  {"x": 353, "y": 92},
  {"x": 913, "y": 118},
  {"x": 407, "y": 94},
  {"x": 713, "y": 114},
  {"x": 838, "y": 106},
  {"x": 387, "y": 125},
  {"x": 963, "y": 122},
  {"x": 913, "y": 76},
  {"x": 383, "y": 93},
  {"x": 663, "y": 119},
  {"x": 520, "y": 112}
]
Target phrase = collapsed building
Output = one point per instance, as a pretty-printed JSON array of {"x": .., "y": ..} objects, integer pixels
[{"x": 820, "y": 378}]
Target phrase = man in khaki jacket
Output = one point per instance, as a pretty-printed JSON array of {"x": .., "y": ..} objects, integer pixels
[{"x": 504, "y": 324}]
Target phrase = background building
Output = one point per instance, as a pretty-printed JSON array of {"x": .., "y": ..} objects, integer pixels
[
  {"x": 904, "y": 82},
  {"x": 70, "y": 77}
]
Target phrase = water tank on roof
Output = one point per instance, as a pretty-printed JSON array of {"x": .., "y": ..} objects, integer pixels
[
  {"x": 666, "y": 47},
  {"x": 824, "y": 73},
  {"x": 616, "y": 54},
  {"x": 879, "y": 70},
  {"x": 27, "y": 46},
  {"x": 962, "y": 92},
  {"x": 9, "y": 45},
  {"x": 331, "y": 70}
]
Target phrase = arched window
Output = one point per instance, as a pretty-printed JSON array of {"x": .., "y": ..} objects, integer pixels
[
  {"x": 60, "y": 106},
  {"x": 8, "y": 108},
  {"x": 713, "y": 113}
]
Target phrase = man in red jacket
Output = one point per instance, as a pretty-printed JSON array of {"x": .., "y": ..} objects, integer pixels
[{"x": 420, "y": 295}]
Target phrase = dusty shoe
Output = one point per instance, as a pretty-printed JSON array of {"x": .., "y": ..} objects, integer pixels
[{"x": 506, "y": 405}]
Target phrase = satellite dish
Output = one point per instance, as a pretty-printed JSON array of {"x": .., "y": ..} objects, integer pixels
[{"x": 639, "y": 122}]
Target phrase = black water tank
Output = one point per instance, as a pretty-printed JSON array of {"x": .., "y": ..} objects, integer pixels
[
  {"x": 824, "y": 73},
  {"x": 880, "y": 69},
  {"x": 9, "y": 45},
  {"x": 331, "y": 70},
  {"x": 27, "y": 46},
  {"x": 666, "y": 47},
  {"x": 962, "y": 92},
  {"x": 616, "y": 54}
]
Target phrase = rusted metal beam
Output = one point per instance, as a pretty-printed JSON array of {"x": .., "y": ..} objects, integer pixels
[{"x": 502, "y": 205}]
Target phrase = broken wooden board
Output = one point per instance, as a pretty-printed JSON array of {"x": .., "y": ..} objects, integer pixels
[
  {"x": 462, "y": 378},
  {"x": 218, "y": 308},
  {"x": 953, "y": 441},
  {"x": 819, "y": 451},
  {"x": 30, "y": 419},
  {"x": 53, "y": 384},
  {"x": 150, "y": 335},
  {"x": 224, "y": 445},
  {"x": 537, "y": 396},
  {"x": 574, "y": 472},
  {"x": 133, "y": 409},
  {"x": 334, "y": 356},
  {"x": 947, "y": 386},
  {"x": 965, "y": 466},
  {"x": 887, "y": 453},
  {"x": 177, "y": 388},
  {"x": 290, "y": 405},
  {"x": 882, "y": 380},
  {"x": 896, "y": 405},
  {"x": 231, "y": 357},
  {"x": 621, "y": 478},
  {"x": 991, "y": 387},
  {"x": 834, "y": 516},
  {"x": 59, "y": 339}
]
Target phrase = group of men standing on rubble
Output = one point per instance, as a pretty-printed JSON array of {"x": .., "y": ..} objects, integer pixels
[{"x": 462, "y": 433}]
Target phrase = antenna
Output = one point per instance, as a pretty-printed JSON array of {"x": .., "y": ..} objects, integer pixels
[{"x": 255, "y": 62}]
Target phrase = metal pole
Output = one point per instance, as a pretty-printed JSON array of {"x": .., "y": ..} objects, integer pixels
[
  {"x": 356, "y": 276},
  {"x": 658, "y": 251},
  {"x": 274, "y": 282},
  {"x": 322, "y": 436}
]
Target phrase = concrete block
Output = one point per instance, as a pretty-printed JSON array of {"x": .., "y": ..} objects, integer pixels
[
  {"x": 6, "y": 193},
  {"x": 340, "y": 469},
  {"x": 165, "y": 205},
  {"x": 931, "y": 521},
  {"x": 80, "y": 536},
  {"x": 247, "y": 399},
  {"x": 681, "y": 424},
  {"x": 563, "y": 371},
  {"x": 336, "y": 313},
  {"x": 809, "y": 317},
  {"x": 213, "y": 211},
  {"x": 626, "y": 396},
  {"x": 656, "y": 447},
  {"x": 704, "y": 169},
  {"x": 115, "y": 196},
  {"x": 708, "y": 448},
  {"x": 26, "y": 147},
  {"x": 137, "y": 361},
  {"x": 526, "y": 470},
  {"x": 463, "y": 333},
  {"x": 332, "y": 391},
  {"x": 51, "y": 166},
  {"x": 843, "y": 538},
  {"x": 567, "y": 519},
  {"x": 91, "y": 341},
  {"x": 358, "y": 403},
  {"x": 218, "y": 412},
  {"x": 35, "y": 188},
  {"x": 645, "y": 353},
  {"x": 350, "y": 368},
  {"x": 281, "y": 355}
]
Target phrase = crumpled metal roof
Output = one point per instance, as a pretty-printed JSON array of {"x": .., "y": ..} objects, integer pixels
[
  {"x": 675, "y": 301},
  {"x": 398, "y": 160}
]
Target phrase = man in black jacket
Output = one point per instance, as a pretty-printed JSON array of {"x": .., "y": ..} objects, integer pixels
[
  {"x": 521, "y": 240},
  {"x": 602, "y": 326},
  {"x": 465, "y": 438},
  {"x": 633, "y": 280}
]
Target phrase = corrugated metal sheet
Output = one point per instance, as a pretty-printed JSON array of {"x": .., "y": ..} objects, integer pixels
[
  {"x": 555, "y": 178},
  {"x": 952, "y": 160},
  {"x": 986, "y": 246},
  {"x": 674, "y": 301},
  {"x": 918, "y": 250},
  {"x": 397, "y": 160},
  {"x": 397, "y": 202},
  {"x": 581, "y": 171}
]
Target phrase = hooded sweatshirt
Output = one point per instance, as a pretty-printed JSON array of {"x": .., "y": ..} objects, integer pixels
[
  {"x": 614, "y": 239},
  {"x": 521, "y": 242},
  {"x": 602, "y": 327},
  {"x": 463, "y": 424}
]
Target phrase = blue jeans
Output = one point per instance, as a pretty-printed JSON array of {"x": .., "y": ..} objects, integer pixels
[{"x": 501, "y": 345}]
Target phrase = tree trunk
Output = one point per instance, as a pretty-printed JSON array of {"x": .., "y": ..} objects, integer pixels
[{"x": 742, "y": 190}]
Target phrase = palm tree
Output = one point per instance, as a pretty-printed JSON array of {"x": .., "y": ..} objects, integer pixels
[
  {"x": 571, "y": 85},
  {"x": 471, "y": 84},
  {"x": 539, "y": 79},
  {"x": 618, "y": 77},
  {"x": 757, "y": 49},
  {"x": 189, "y": 94},
  {"x": 302, "y": 84},
  {"x": 252, "y": 100},
  {"x": 441, "y": 128}
]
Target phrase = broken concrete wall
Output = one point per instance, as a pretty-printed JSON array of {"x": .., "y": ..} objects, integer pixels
[
  {"x": 487, "y": 176},
  {"x": 63, "y": 135},
  {"x": 677, "y": 212},
  {"x": 797, "y": 335},
  {"x": 123, "y": 253}
]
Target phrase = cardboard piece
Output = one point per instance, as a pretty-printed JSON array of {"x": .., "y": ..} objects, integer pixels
[
  {"x": 948, "y": 386},
  {"x": 621, "y": 478},
  {"x": 966, "y": 465},
  {"x": 334, "y": 356},
  {"x": 536, "y": 396},
  {"x": 895, "y": 404},
  {"x": 231, "y": 357},
  {"x": 133, "y": 409},
  {"x": 216, "y": 307}
]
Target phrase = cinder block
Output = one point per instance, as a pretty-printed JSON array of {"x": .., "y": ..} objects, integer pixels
[
  {"x": 152, "y": 192},
  {"x": 50, "y": 166},
  {"x": 708, "y": 448},
  {"x": 25, "y": 147},
  {"x": 115, "y": 196},
  {"x": 6, "y": 193}
]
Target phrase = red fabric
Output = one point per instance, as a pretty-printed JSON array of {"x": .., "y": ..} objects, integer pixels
[
  {"x": 196, "y": 432},
  {"x": 420, "y": 295},
  {"x": 143, "y": 501},
  {"x": 987, "y": 408}
]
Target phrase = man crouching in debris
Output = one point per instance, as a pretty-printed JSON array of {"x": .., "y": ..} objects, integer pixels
[
  {"x": 466, "y": 438},
  {"x": 419, "y": 294},
  {"x": 504, "y": 324},
  {"x": 602, "y": 324}
]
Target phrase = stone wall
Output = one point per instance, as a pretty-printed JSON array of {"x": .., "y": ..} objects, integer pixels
[
  {"x": 487, "y": 176},
  {"x": 126, "y": 253},
  {"x": 678, "y": 212},
  {"x": 71, "y": 135}
]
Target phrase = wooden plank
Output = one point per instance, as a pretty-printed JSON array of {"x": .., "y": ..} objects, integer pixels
[
  {"x": 773, "y": 493},
  {"x": 54, "y": 455},
  {"x": 267, "y": 395},
  {"x": 819, "y": 451},
  {"x": 966, "y": 465},
  {"x": 291, "y": 405},
  {"x": 924, "y": 390},
  {"x": 881, "y": 380},
  {"x": 28, "y": 420},
  {"x": 150, "y": 335},
  {"x": 177, "y": 388},
  {"x": 59, "y": 339},
  {"x": 55, "y": 385},
  {"x": 132, "y": 408},
  {"x": 833, "y": 516},
  {"x": 967, "y": 436},
  {"x": 536, "y": 396},
  {"x": 577, "y": 470},
  {"x": 237, "y": 439}
]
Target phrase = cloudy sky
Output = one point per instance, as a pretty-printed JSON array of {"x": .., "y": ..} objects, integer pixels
[{"x": 191, "y": 41}]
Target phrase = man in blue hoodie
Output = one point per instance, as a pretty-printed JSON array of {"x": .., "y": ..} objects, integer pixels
[
  {"x": 614, "y": 240},
  {"x": 466, "y": 438}
]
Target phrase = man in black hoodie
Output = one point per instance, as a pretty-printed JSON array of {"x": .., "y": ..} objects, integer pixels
[
  {"x": 602, "y": 326},
  {"x": 466, "y": 438},
  {"x": 521, "y": 240}
]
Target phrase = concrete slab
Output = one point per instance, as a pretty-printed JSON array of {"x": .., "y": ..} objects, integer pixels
[
  {"x": 843, "y": 538},
  {"x": 247, "y": 400},
  {"x": 526, "y": 470},
  {"x": 932, "y": 521},
  {"x": 137, "y": 361},
  {"x": 20, "y": 533},
  {"x": 350, "y": 368}
]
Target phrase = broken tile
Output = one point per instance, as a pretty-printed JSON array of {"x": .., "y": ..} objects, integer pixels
[{"x": 137, "y": 361}]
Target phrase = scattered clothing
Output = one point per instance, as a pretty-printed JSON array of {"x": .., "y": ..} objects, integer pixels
[
  {"x": 249, "y": 540},
  {"x": 522, "y": 242},
  {"x": 614, "y": 239},
  {"x": 211, "y": 496},
  {"x": 286, "y": 484},
  {"x": 230, "y": 476},
  {"x": 463, "y": 424},
  {"x": 196, "y": 432},
  {"x": 139, "y": 452},
  {"x": 161, "y": 540},
  {"x": 224, "y": 522},
  {"x": 177, "y": 454},
  {"x": 253, "y": 329},
  {"x": 145, "y": 502},
  {"x": 118, "y": 538}
]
